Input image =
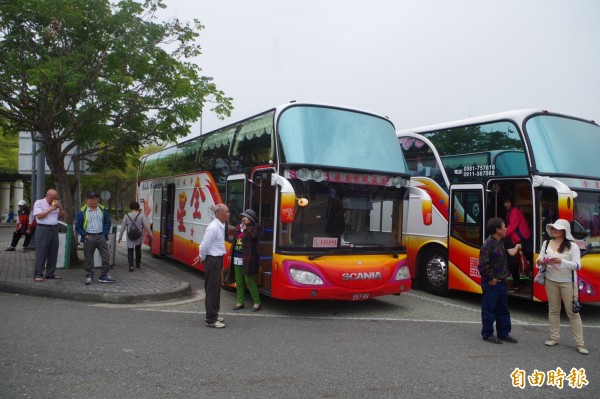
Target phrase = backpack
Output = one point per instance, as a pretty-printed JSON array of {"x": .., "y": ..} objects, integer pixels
[{"x": 133, "y": 233}]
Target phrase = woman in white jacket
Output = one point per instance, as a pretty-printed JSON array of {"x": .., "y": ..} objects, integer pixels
[
  {"x": 139, "y": 219},
  {"x": 562, "y": 259}
]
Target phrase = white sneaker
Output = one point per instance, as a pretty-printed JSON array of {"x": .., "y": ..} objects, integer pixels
[{"x": 216, "y": 324}]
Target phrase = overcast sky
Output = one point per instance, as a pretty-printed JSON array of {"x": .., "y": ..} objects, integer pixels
[{"x": 418, "y": 62}]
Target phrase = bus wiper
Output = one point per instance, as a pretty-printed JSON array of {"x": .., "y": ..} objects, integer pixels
[
  {"x": 339, "y": 251},
  {"x": 394, "y": 253},
  {"x": 336, "y": 251}
]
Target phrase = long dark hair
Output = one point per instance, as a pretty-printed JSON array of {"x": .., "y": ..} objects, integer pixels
[{"x": 566, "y": 244}]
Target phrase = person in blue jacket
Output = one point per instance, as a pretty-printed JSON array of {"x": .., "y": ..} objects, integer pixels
[{"x": 93, "y": 225}]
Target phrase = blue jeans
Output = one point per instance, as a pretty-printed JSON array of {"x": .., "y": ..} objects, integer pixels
[{"x": 494, "y": 308}]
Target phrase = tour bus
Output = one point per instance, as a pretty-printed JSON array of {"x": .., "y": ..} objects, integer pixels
[
  {"x": 546, "y": 163},
  {"x": 326, "y": 182}
]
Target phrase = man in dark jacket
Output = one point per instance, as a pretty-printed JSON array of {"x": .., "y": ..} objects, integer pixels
[{"x": 93, "y": 225}]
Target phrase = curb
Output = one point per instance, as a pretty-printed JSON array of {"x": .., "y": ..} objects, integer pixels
[{"x": 184, "y": 290}]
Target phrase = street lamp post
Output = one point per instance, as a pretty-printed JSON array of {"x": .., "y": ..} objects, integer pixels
[{"x": 209, "y": 78}]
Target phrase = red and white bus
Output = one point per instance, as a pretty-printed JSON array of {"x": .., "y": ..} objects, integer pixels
[
  {"x": 326, "y": 182},
  {"x": 546, "y": 163}
]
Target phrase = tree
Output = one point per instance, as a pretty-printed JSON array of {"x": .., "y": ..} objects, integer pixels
[
  {"x": 120, "y": 182},
  {"x": 9, "y": 156},
  {"x": 99, "y": 78}
]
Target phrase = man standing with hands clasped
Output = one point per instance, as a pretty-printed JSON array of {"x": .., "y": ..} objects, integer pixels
[
  {"x": 93, "y": 225},
  {"x": 493, "y": 267},
  {"x": 212, "y": 250},
  {"x": 47, "y": 211}
]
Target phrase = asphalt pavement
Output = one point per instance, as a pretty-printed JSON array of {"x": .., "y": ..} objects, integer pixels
[{"x": 146, "y": 284}]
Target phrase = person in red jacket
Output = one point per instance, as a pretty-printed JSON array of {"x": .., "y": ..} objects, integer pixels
[
  {"x": 23, "y": 228},
  {"x": 517, "y": 232}
]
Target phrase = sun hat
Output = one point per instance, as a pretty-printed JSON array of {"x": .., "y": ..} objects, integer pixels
[
  {"x": 250, "y": 214},
  {"x": 22, "y": 202},
  {"x": 561, "y": 224}
]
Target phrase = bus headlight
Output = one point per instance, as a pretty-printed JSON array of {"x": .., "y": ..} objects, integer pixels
[
  {"x": 403, "y": 273},
  {"x": 581, "y": 285},
  {"x": 304, "y": 277}
]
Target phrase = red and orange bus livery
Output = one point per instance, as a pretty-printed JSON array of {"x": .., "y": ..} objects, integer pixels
[
  {"x": 546, "y": 163},
  {"x": 326, "y": 182}
]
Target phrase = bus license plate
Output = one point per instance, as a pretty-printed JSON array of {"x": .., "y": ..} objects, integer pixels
[{"x": 360, "y": 297}]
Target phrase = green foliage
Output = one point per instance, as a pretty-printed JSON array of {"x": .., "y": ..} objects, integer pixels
[
  {"x": 470, "y": 139},
  {"x": 106, "y": 78},
  {"x": 9, "y": 156}
]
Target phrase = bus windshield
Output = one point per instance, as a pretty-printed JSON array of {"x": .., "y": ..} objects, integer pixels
[
  {"x": 336, "y": 216},
  {"x": 321, "y": 136},
  {"x": 563, "y": 145}
]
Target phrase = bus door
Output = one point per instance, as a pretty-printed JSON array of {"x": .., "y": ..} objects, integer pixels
[
  {"x": 156, "y": 218},
  {"x": 164, "y": 201},
  {"x": 262, "y": 200},
  {"x": 235, "y": 199},
  {"x": 465, "y": 237}
]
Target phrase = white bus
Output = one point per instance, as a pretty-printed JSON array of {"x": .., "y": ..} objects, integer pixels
[{"x": 547, "y": 163}]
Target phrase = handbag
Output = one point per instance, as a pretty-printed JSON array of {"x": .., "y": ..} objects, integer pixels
[
  {"x": 523, "y": 264},
  {"x": 540, "y": 278}
]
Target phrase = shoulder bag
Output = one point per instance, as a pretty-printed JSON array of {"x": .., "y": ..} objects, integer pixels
[{"x": 540, "y": 278}]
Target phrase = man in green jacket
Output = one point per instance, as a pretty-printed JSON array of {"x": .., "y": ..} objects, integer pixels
[{"x": 93, "y": 225}]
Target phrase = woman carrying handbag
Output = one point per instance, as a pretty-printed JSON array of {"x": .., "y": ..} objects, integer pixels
[
  {"x": 244, "y": 259},
  {"x": 561, "y": 259}
]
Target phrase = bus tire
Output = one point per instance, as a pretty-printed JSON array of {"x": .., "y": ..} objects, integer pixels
[
  {"x": 434, "y": 271},
  {"x": 228, "y": 286}
]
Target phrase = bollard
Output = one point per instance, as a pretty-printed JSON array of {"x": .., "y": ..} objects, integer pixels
[{"x": 68, "y": 241}]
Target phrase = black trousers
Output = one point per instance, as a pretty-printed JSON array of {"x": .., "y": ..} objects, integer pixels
[
  {"x": 17, "y": 236},
  {"x": 138, "y": 256},
  {"x": 213, "y": 265}
]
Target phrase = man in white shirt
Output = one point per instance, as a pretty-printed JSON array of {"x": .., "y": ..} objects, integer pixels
[
  {"x": 212, "y": 250},
  {"x": 47, "y": 211}
]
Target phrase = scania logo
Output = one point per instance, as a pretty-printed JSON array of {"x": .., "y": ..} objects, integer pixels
[{"x": 362, "y": 276}]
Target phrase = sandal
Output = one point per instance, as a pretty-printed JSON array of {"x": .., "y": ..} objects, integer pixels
[
  {"x": 38, "y": 279},
  {"x": 54, "y": 277},
  {"x": 492, "y": 339}
]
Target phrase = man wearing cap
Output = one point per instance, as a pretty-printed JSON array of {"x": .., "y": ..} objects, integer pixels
[
  {"x": 93, "y": 225},
  {"x": 22, "y": 227},
  {"x": 47, "y": 211}
]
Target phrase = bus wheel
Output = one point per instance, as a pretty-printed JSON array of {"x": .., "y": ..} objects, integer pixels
[
  {"x": 226, "y": 283},
  {"x": 434, "y": 272}
]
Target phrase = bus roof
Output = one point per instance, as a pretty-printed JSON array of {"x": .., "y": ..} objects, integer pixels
[
  {"x": 278, "y": 109},
  {"x": 516, "y": 115}
]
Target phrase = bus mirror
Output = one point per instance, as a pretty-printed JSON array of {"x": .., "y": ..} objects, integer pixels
[
  {"x": 426, "y": 204},
  {"x": 287, "y": 206}
]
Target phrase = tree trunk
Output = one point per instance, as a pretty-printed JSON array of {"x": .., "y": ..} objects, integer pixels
[{"x": 56, "y": 164}]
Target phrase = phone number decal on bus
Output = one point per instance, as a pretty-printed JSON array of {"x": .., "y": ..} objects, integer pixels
[{"x": 477, "y": 170}]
